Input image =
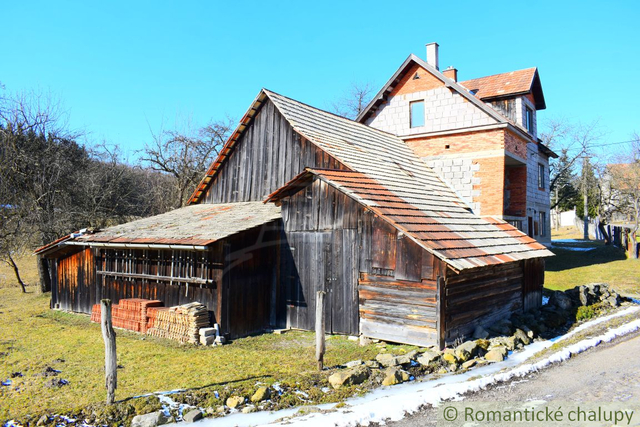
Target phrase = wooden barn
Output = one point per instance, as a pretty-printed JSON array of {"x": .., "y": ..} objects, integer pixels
[{"x": 334, "y": 205}]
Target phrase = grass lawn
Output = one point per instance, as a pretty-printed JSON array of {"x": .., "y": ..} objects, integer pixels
[
  {"x": 598, "y": 263},
  {"x": 33, "y": 338}
]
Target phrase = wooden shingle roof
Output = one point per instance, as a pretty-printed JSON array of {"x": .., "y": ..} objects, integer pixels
[
  {"x": 196, "y": 225},
  {"x": 387, "y": 177}
]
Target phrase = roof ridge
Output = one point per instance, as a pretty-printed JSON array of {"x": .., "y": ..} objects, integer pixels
[
  {"x": 267, "y": 91},
  {"x": 499, "y": 74}
]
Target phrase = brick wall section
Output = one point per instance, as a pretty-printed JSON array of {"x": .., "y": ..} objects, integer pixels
[
  {"x": 515, "y": 144},
  {"x": 491, "y": 185},
  {"x": 516, "y": 191},
  {"x": 468, "y": 142},
  {"x": 410, "y": 85}
]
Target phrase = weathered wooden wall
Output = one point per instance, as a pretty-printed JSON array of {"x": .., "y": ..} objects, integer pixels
[
  {"x": 268, "y": 155},
  {"x": 323, "y": 232},
  {"x": 72, "y": 274},
  {"x": 166, "y": 275},
  {"x": 378, "y": 282},
  {"x": 480, "y": 297},
  {"x": 250, "y": 280},
  {"x": 533, "y": 282},
  {"x": 398, "y": 293}
]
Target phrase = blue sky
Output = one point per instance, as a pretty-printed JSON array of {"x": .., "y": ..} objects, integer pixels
[{"x": 122, "y": 69}]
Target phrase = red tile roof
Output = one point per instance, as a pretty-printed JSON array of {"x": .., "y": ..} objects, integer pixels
[{"x": 512, "y": 83}]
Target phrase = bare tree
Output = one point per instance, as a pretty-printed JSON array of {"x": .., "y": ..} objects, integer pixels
[
  {"x": 623, "y": 181},
  {"x": 185, "y": 155},
  {"x": 573, "y": 142},
  {"x": 354, "y": 100}
]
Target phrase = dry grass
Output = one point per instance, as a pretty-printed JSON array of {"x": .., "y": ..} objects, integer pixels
[
  {"x": 28, "y": 272},
  {"x": 34, "y": 338}
]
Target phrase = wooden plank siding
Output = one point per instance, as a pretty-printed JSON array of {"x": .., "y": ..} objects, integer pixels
[
  {"x": 268, "y": 155},
  {"x": 322, "y": 253},
  {"x": 533, "y": 283},
  {"x": 480, "y": 297},
  {"x": 379, "y": 282},
  {"x": 73, "y": 273}
]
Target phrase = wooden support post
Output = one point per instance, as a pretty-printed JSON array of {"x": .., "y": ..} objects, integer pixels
[
  {"x": 110, "y": 361},
  {"x": 320, "y": 344},
  {"x": 441, "y": 308}
]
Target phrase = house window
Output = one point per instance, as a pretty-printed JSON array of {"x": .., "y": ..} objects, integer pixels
[
  {"x": 417, "y": 114},
  {"x": 541, "y": 178},
  {"x": 543, "y": 224},
  {"x": 528, "y": 119}
]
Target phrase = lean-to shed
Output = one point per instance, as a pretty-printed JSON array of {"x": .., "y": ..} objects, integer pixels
[{"x": 223, "y": 256}]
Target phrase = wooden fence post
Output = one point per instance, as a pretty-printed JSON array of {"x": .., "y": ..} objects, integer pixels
[
  {"x": 320, "y": 344},
  {"x": 110, "y": 361}
]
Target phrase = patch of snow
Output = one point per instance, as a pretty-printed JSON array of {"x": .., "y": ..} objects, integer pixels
[{"x": 393, "y": 403}]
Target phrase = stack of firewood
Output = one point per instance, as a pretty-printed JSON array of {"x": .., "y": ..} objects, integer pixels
[{"x": 181, "y": 323}]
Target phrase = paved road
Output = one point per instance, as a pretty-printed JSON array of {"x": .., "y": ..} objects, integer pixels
[{"x": 607, "y": 373}]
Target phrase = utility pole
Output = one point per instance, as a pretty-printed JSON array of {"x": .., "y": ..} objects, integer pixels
[{"x": 585, "y": 198}]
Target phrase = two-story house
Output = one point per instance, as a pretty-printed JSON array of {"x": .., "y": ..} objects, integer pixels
[{"x": 479, "y": 135}]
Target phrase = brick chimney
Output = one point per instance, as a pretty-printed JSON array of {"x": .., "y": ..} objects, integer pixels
[
  {"x": 452, "y": 73},
  {"x": 432, "y": 55}
]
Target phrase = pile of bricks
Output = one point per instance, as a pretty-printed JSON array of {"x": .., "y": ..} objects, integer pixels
[
  {"x": 130, "y": 314},
  {"x": 181, "y": 323}
]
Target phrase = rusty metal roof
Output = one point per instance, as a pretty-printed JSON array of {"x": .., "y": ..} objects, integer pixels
[
  {"x": 196, "y": 225},
  {"x": 458, "y": 237}
]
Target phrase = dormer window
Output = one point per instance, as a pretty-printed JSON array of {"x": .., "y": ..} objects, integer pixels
[
  {"x": 528, "y": 119},
  {"x": 417, "y": 114}
]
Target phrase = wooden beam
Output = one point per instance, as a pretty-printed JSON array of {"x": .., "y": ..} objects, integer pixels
[{"x": 196, "y": 280}]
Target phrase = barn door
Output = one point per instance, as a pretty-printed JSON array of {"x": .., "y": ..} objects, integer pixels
[{"x": 340, "y": 266}]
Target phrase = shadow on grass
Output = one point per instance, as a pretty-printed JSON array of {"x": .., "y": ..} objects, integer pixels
[
  {"x": 566, "y": 258},
  {"x": 203, "y": 387}
]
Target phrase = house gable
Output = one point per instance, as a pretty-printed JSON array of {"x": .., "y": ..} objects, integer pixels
[{"x": 447, "y": 106}]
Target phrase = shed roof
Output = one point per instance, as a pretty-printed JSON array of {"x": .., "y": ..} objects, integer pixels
[
  {"x": 461, "y": 239},
  {"x": 196, "y": 225}
]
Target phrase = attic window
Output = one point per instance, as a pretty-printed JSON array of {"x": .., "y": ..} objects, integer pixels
[
  {"x": 473, "y": 91},
  {"x": 417, "y": 114},
  {"x": 528, "y": 119},
  {"x": 416, "y": 76}
]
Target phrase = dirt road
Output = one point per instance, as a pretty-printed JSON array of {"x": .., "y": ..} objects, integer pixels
[{"x": 607, "y": 373}]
